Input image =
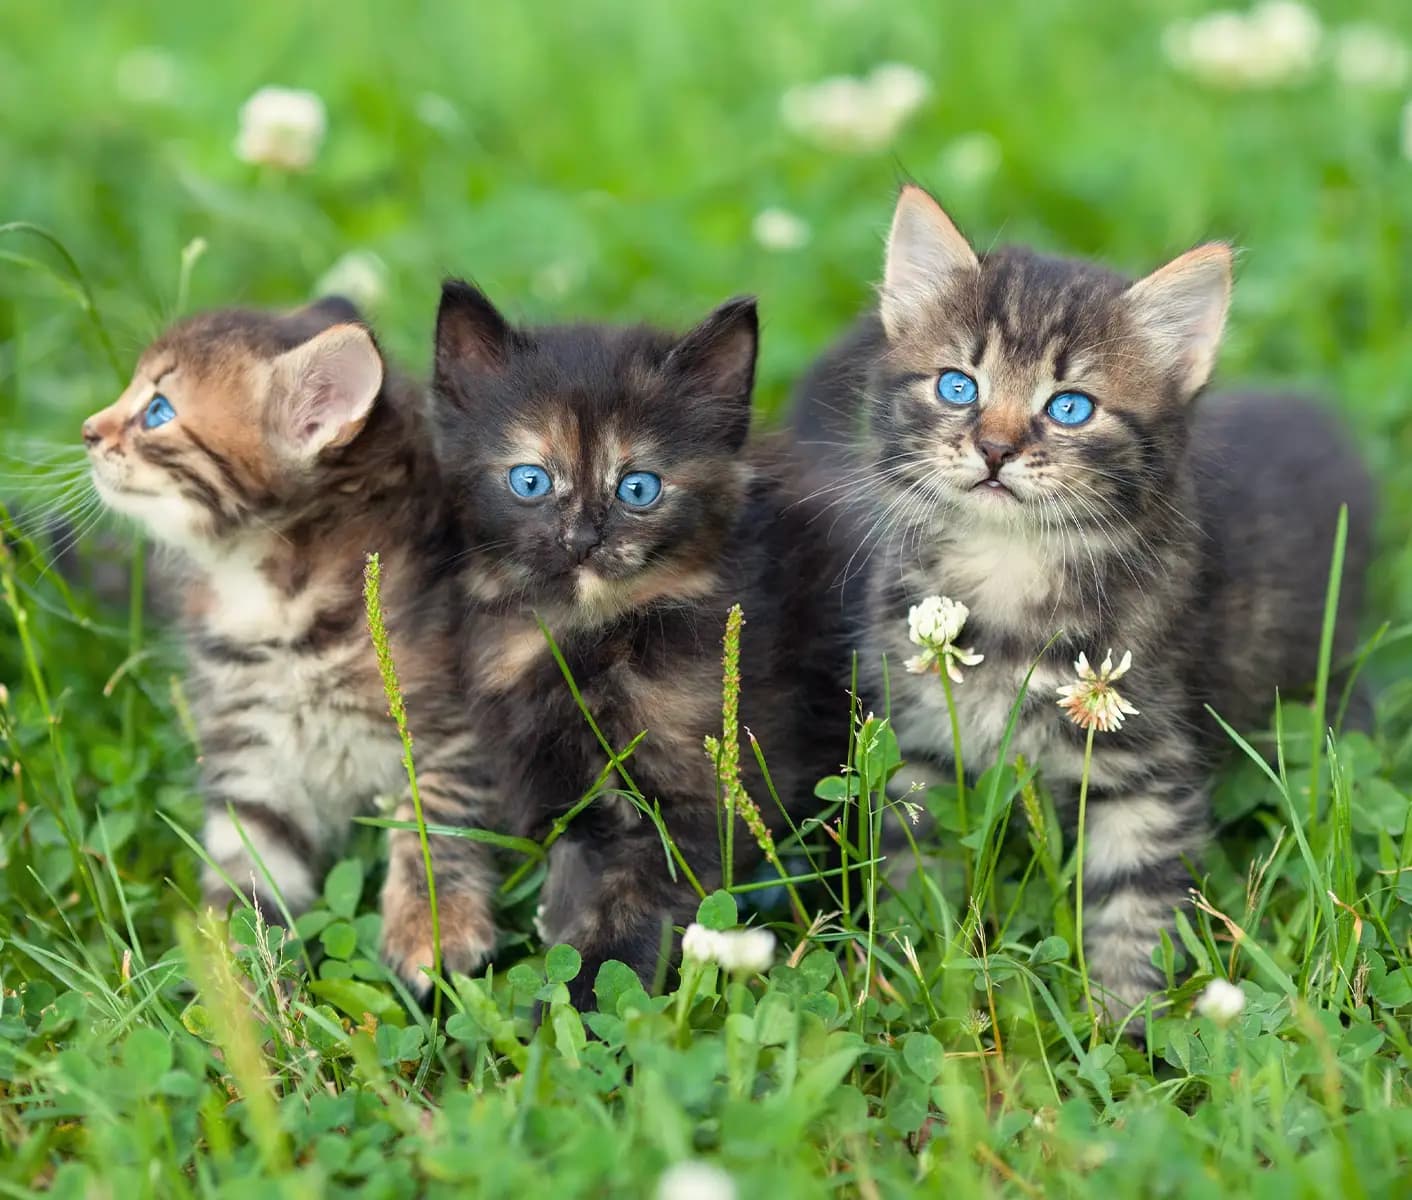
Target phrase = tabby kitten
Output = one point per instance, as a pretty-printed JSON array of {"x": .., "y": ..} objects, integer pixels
[
  {"x": 271, "y": 454},
  {"x": 1035, "y": 452},
  {"x": 605, "y": 487}
]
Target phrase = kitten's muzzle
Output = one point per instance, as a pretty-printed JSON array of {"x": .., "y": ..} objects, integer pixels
[
  {"x": 91, "y": 434},
  {"x": 996, "y": 454},
  {"x": 581, "y": 540}
]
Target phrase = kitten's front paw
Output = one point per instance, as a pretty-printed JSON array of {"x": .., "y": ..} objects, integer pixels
[{"x": 467, "y": 935}]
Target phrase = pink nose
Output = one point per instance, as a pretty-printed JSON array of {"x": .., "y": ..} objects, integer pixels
[{"x": 91, "y": 436}]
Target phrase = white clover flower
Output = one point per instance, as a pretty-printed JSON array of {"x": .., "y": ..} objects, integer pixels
[
  {"x": 281, "y": 127},
  {"x": 1276, "y": 42},
  {"x": 1093, "y": 702},
  {"x": 849, "y": 113},
  {"x": 360, "y": 275},
  {"x": 737, "y": 950},
  {"x": 779, "y": 229},
  {"x": 146, "y": 75},
  {"x": 935, "y": 624},
  {"x": 898, "y": 89},
  {"x": 1221, "y": 1002},
  {"x": 4, "y": 696},
  {"x": 695, "y": 1180},
  {"x": 970, "y": 160},
  {"x": 1369, "y": 56}
]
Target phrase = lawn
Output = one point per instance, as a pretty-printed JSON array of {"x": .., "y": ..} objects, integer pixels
[{"x": 645, "y": 161}]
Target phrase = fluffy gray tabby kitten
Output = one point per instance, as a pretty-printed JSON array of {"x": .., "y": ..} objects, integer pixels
[
  {"x": 1033, "y": 449},
  {"x": 271, "y": 453}
]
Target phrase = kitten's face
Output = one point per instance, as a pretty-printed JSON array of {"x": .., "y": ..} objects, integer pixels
[
  {"x": 596, "y": 470},
  {"x": 226, "y": 417},
  {"x": 1031, "y": 391}
]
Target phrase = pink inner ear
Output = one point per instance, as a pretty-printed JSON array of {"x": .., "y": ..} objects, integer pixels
[{"x": 331, "y": 381}]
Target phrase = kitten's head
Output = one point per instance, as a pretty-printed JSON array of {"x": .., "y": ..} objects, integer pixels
[
  {"x": 1035, "y": 391},
  {"x": 232, "y": 417},
  {"x": 596, "y": 469}
]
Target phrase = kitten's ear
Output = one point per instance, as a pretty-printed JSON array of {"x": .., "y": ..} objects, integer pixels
[
  {"x": 470, "y": 330},
  {"x": 1181, "y": 309},
  {"x": 303, "y": 323},
  {"x": 323, "y": 390},
  {"x": 716, "y": 361},
  {"x": 924, "y": 247}
]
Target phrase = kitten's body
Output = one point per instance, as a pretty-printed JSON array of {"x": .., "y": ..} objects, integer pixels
[
  {"x": 1199, "y": 543},
  {"x": 268, "y": 547},
  {"x": 639, "y": 618}
]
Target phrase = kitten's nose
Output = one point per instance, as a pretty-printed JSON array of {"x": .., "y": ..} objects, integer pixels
[
  {"x": 91, "y": 436},
  {"x": 997, "y": 454},
  {"x": 581, "y": 540}
]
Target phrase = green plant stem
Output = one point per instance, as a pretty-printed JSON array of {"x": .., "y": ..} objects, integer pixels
[
  {"x": 962, "y": 815},
  {"x": 377, "y": 627},
  {"x": 1079, "y": 887}
]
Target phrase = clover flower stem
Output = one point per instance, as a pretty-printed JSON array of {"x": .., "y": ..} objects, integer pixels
[
  {"x": 962, "y": 816},
  {"x": 1079, "y": 886},
  {"x": 692, "y": 971}
]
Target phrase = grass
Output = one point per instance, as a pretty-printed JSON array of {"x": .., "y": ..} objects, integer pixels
[{"x": 607, "y": 159}]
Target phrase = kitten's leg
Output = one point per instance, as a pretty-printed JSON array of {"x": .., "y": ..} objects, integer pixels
[
  {"x": 455, "y": 790},
  {"x": 286, "y": 844},
  {"x": 614, "y": 899},
  {"x": 1134, "y": 877}
]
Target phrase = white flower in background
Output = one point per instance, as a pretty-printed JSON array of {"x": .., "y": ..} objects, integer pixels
[
  {"x": 146, "y": 75},
  {"x": 1093, "y": 702},
  {"x": 1369, "y": 56},
  {"x": 935, "y": 624},
  {"x": 360, "y": 275},
  {"x": 898, "y": 89},
  {"x": 1407, "y": 130},
  {"x": 742, "y": 950},
  {"x": 555, "y": 280},
  {"x": 853, "y": 113},
  {"x": 1221, "y": 1002},
  {"x": 437, "y": 112},
  {"x": 969, "y": 160},
  {"x": 779, "y": 229},
  {"x": 695, "y": 1180},
  {"x": 281, "y": 127},
  {"x": 1274, "y": 43}
]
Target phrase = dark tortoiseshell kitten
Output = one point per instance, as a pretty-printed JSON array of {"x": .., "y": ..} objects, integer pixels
[
  {"x": 1036, "y": 453},
  {"x": 604, "y": 484},
  {"x": 270, "y": 454}
]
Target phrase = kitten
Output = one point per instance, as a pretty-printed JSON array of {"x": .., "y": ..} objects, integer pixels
[
  {"x": 605, "y": 485},
  {"x": 271, "y": 454},
  {"x": 1036, "y": 453}
]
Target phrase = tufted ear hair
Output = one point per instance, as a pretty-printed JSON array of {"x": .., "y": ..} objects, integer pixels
[
  {"x": 323, "y": 390},
  {"x": 924, "y": 248},
  {"x": 716, "y": 362},
  {"x": 1181, "y": 310}
]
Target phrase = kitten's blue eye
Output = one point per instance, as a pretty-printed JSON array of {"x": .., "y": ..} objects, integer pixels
[
  {"x": 159, "y": 412},
  {"x": 956, "y": 387},
  {"x": 1070, "y": 408},
  {"x": 639, "y": 488},
  {"x": 530, "y": 482}
]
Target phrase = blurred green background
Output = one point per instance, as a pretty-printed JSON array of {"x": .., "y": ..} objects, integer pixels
[{"x": 611, "y": 160}]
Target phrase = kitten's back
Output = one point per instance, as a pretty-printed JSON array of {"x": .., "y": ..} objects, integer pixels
[{"x": 1271, "y": 471}]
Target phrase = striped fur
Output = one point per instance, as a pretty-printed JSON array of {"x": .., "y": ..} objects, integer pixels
[
  {"x": 1195, "y": 535},
  {"x": 269, "y": 488}
]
